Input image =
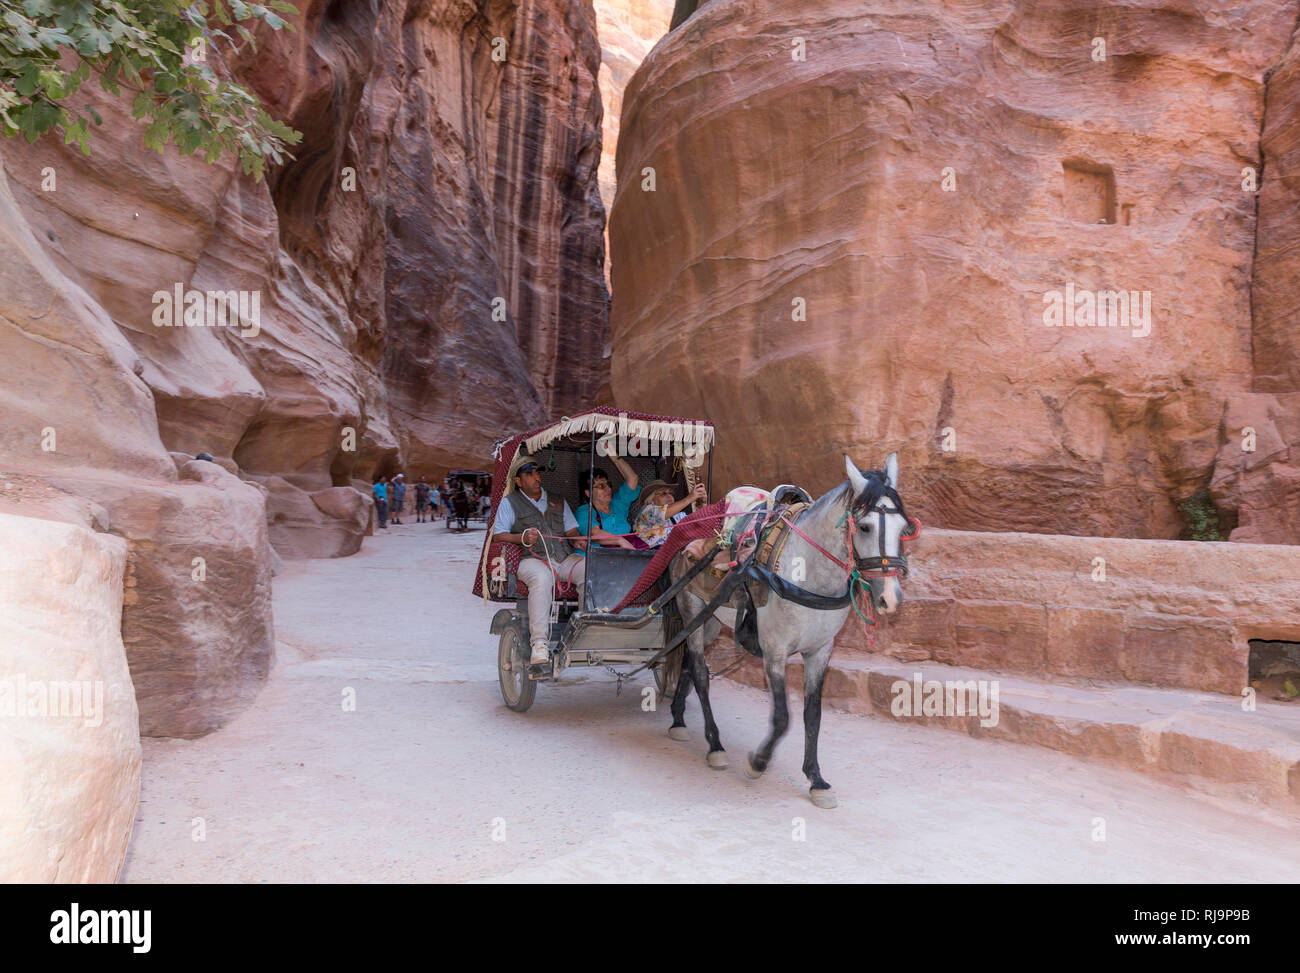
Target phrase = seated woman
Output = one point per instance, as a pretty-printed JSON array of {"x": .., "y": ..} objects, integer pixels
[
  {"x": 657, "y": 510},
  {"x": 608, "y": 508}
]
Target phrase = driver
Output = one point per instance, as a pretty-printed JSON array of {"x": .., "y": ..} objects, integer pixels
[{"x": 524, "y": 515}]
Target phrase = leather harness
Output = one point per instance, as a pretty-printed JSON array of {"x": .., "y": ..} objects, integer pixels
[
  {"x": 740, "y": 575},
  {"x": 772, "y": 536},
  {"x": 762, "y": 566}
]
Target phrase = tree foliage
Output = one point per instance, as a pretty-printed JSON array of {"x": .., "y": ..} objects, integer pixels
[{"x": 155, "y": 50}]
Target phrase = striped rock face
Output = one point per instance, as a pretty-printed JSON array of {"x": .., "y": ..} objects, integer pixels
[
  {"x": 627, "y": 29},
  {"x": 427, "y": 270},
  {"x": 426, "y": 273}
]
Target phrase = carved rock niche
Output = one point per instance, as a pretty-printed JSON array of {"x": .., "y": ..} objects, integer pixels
[{"x": 1089, "y": 191}]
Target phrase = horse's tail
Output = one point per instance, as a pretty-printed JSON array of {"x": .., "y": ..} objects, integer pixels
[{"x": 672, "y": 662}]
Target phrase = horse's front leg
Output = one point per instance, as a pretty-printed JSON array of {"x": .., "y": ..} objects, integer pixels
[
  {"x": 814, "y": 676},
  {"x": 774, "y": 664}
]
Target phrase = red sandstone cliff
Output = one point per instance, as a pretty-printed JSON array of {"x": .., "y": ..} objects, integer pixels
[
  {"x": 1263, "y": 486},
  {"x": 432, "y": 180},
  {"x": 628, "y": 29},
  {"x": 857, "y": 215}
]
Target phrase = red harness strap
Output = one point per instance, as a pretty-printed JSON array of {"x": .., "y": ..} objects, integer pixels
[{"x": 847, "y": 568}]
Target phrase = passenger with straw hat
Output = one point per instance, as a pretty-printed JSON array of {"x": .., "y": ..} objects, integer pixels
[{"x": 657, "y": 509}]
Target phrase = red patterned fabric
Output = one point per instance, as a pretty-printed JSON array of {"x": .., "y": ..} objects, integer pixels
[
  {"x": 705, "y": 522},
  {"x": 505, "y": 454},
  {"x": 512, "y": 554}
]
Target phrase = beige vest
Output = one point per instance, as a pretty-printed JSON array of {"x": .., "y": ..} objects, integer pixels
[{"x": 551, "y": 522}]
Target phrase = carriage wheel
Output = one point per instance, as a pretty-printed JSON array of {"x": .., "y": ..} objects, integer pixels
[{"x": 512, "y": 669}]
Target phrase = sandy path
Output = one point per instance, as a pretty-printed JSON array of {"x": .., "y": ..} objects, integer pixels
[{"x": 588, "y": 786}]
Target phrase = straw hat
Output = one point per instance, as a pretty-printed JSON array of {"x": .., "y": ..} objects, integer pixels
[
  {"x": 521, "y": 460},
  {"x": 649, "y": 489}
]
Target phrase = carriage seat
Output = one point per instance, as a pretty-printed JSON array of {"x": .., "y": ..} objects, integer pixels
[
  {"x": 611, "y": 573},
  {"x": 512, "y": 587},
  {"x": 563, "y": 590}
]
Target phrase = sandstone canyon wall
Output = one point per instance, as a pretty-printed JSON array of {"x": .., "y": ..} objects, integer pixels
[
  {"x": 434, "y": 185},
  {"x": 69, "y": 730},
  {"x": 1264, "y": 486},
  {"x": 858, "y": 213},
  {"x": 628, "y": 29},
  {"x": 432, "y": 181},
  {"x": 80, "y": 444}
]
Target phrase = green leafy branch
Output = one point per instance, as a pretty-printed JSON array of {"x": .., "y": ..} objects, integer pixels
[
  {"x": 154, "y": 48},
  {"x": 1202, "y": 517}
]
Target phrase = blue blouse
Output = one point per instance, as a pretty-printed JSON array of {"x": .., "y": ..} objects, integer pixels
[{"x": 616, "y": 520}]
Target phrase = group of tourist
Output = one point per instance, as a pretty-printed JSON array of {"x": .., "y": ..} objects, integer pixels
[
  {"x": 633, "y": 516},
  {"x": 554, "y": 538},
  {"x": 432, "y": 501}
]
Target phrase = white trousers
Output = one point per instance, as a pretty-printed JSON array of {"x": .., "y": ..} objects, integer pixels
[{"x": 533, "y": 571}]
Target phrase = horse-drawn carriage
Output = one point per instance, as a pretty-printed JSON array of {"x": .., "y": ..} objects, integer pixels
[
  {"x": 783, "y": 571},
  {"x": 583, "y": 631},
  {"x": 462, "y": 502}
]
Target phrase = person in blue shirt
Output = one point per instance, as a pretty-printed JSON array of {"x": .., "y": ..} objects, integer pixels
[
  {"x": 609, "y": 507},
  {"x": 380, "y": 490}
]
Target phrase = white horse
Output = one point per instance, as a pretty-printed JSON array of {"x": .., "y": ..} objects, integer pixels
[{"x": 854, "y": 531}]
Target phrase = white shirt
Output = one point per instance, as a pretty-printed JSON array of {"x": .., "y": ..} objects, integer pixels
[{"x": 506, "y": 513}]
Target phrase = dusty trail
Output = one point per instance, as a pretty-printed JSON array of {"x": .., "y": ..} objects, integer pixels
[{"x": 587, "y": 786}]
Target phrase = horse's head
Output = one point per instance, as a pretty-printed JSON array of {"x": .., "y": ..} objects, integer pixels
[{"x": 880, "y": 524}]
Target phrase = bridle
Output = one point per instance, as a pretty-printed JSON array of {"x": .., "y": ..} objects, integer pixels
[{"x": 882, "y": 564}]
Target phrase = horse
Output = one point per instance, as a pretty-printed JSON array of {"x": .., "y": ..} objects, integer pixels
[
  {"x": 860, "y": 523},
  {"x": 461, "y": 509}
]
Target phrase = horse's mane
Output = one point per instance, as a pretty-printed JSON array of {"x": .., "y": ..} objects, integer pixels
[{"x": 876, "y": 488}]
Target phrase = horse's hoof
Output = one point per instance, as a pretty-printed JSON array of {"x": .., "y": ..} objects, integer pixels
[
  {"x": 678, "y": 733},
  {"x": 825, "y": 797},
  {"x": 718, "y": 760},
  {"x": 750, "y": 771}
]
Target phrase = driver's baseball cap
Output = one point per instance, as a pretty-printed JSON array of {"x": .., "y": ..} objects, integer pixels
[{"x": 528, "y": 467}]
